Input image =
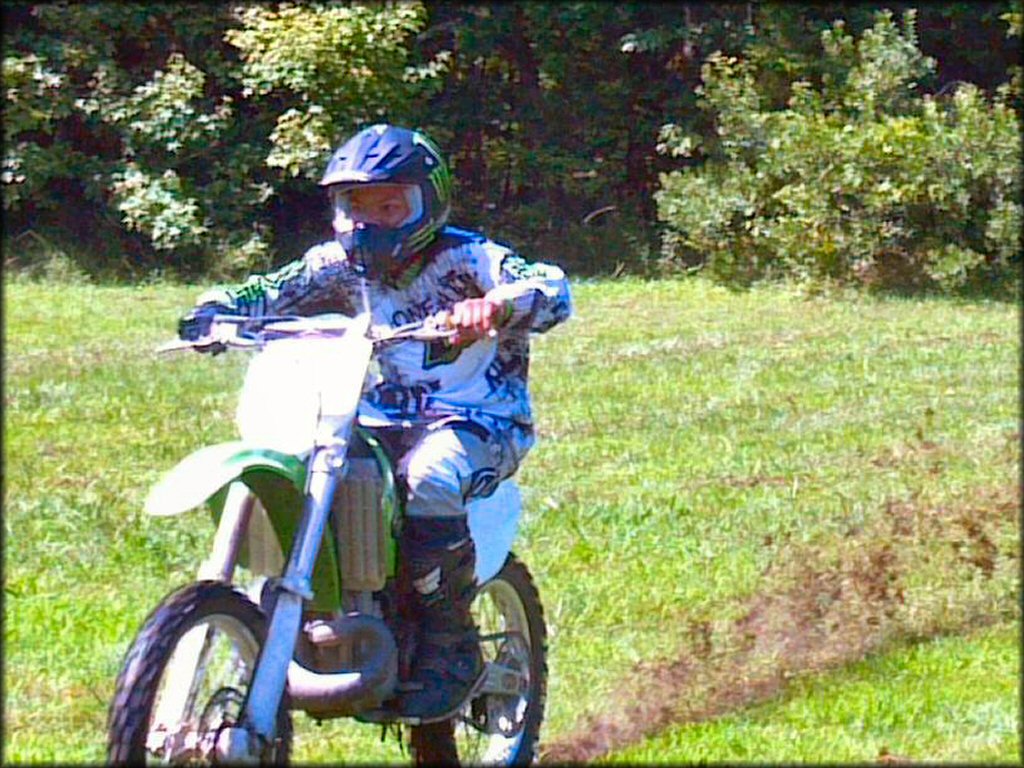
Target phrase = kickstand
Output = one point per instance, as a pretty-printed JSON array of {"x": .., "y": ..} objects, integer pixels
[{"x": 398, "y": 735}]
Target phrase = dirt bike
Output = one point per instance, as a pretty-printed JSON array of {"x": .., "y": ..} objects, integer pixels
[{"x": 217, "y": 668}]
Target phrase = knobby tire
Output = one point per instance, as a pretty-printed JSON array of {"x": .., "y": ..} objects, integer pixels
[
  {"x": 138, "y": 682},
  {"x": 434, "y": 744}
]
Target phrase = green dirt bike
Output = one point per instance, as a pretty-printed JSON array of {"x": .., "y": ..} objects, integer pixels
[{"x": 217, "y": 668}]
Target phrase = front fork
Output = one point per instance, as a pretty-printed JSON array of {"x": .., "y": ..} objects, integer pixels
[
  {"x": 271, "y": 675},
  {"x": 185, "y": 673}
]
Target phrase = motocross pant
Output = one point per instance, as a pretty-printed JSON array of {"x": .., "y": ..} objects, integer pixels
[{"x": 449, "y": 462}]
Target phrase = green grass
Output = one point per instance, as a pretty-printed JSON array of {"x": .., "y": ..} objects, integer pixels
[
  {"x": 699, "y": 450},
  {"x": 949, "y": 699},
  {"x": 722, "y": 434}
]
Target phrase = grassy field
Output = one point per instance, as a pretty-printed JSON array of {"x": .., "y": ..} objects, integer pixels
[
  {"x": 734, "y": 499},
  {"x": 950, "y": 699}
]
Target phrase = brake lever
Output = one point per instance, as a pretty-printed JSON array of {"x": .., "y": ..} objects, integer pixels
[{"x": 231, "y": 333}]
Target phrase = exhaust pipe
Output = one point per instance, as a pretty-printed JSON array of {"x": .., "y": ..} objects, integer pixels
[{"x": 335, "y": 694}]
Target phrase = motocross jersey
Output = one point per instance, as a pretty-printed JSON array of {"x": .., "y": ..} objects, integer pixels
[{"x": 422, "y": 382}]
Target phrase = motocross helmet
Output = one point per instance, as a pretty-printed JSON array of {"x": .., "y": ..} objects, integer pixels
[{"x": 388, "y": 155}]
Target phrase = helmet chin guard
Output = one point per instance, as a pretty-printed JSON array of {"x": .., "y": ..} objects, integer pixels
[{"x": 372, "y": 248}]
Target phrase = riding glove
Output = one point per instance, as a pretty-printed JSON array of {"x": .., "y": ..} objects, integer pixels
[{"x": 195, "y": 325}]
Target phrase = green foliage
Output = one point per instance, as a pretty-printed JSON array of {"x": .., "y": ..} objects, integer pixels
[
  {"x": 886, "y": 66},
  {"x": 859, "y": 179},
  {"x": 1014, "y": 20},
  {"x": 329, "y": 69},
  {"x": 548, "y": 112},
  {"x": 144, "y": 116},
  {"x": 183, "y": 137},
  {"x": 35, "y": 99},
  {"x": 157, "y": 206},
  {"x": 125, "y": 116}
]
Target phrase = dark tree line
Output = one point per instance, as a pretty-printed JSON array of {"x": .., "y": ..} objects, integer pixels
[{"x": 185, "y": 137}]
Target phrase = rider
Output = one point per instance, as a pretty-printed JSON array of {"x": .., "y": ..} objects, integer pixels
[{"x": 461, "y": 409}]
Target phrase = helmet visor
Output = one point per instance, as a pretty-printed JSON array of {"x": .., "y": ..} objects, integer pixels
[{"x": 387, "y": 205}]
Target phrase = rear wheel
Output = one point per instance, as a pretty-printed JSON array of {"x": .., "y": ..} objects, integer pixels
[
  {"x": 185, "y": 678},
  {"x": 501, "y": 725}
]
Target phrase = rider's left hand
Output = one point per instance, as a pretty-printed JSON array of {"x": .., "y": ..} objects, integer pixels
[
  {"x": 475, "y": 318},
  {"x": 196, "y": 324}
]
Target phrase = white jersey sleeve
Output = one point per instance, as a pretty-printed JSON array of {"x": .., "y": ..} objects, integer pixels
[{"x": 538, "y": 293}]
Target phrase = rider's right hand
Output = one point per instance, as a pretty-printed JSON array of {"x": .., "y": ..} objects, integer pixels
[
  {"x": 195, "y": 325},
  {"x": 474, "y": 319}
]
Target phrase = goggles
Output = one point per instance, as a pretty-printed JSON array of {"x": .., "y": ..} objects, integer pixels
[{"x": 351, "y": 205}]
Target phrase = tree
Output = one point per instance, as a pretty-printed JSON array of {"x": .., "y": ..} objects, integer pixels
[
  {"x": 169, "y": 129},
  {"x": 186, "y": 136},
  {"x": 860, "y": 179}
]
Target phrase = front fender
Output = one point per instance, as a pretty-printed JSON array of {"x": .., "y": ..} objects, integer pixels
[
  {"x": 278, "y": 481},
  {"x": 202, "y": 474}
]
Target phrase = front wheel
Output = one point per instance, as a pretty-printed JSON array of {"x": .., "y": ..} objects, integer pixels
[
  {"x": 185, "y": 678},
  {"x": 501, "y": 726}
]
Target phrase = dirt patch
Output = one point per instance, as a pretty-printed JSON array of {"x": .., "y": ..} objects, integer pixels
[
  {"x": 830, "y": 614},
  {"x": 809, "y": 627}
]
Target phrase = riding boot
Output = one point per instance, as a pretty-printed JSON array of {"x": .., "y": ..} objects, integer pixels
[{"x": 436, "y": 586}]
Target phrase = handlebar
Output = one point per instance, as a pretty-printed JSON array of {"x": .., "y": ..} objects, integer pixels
[
  {"x": 243, "y": 332},
  {"x": 434, "y": 327}
]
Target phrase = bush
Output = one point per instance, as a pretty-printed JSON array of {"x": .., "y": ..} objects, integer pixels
[
  {"x": 327, "y": 70},
  {"x": 859, "y": 179},
  {"x": 176, "y": 128}
]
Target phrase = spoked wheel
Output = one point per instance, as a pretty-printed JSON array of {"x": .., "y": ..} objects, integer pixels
[
  {"x": 501, "y": 725},
  {"x": 185, "y": 678}
]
